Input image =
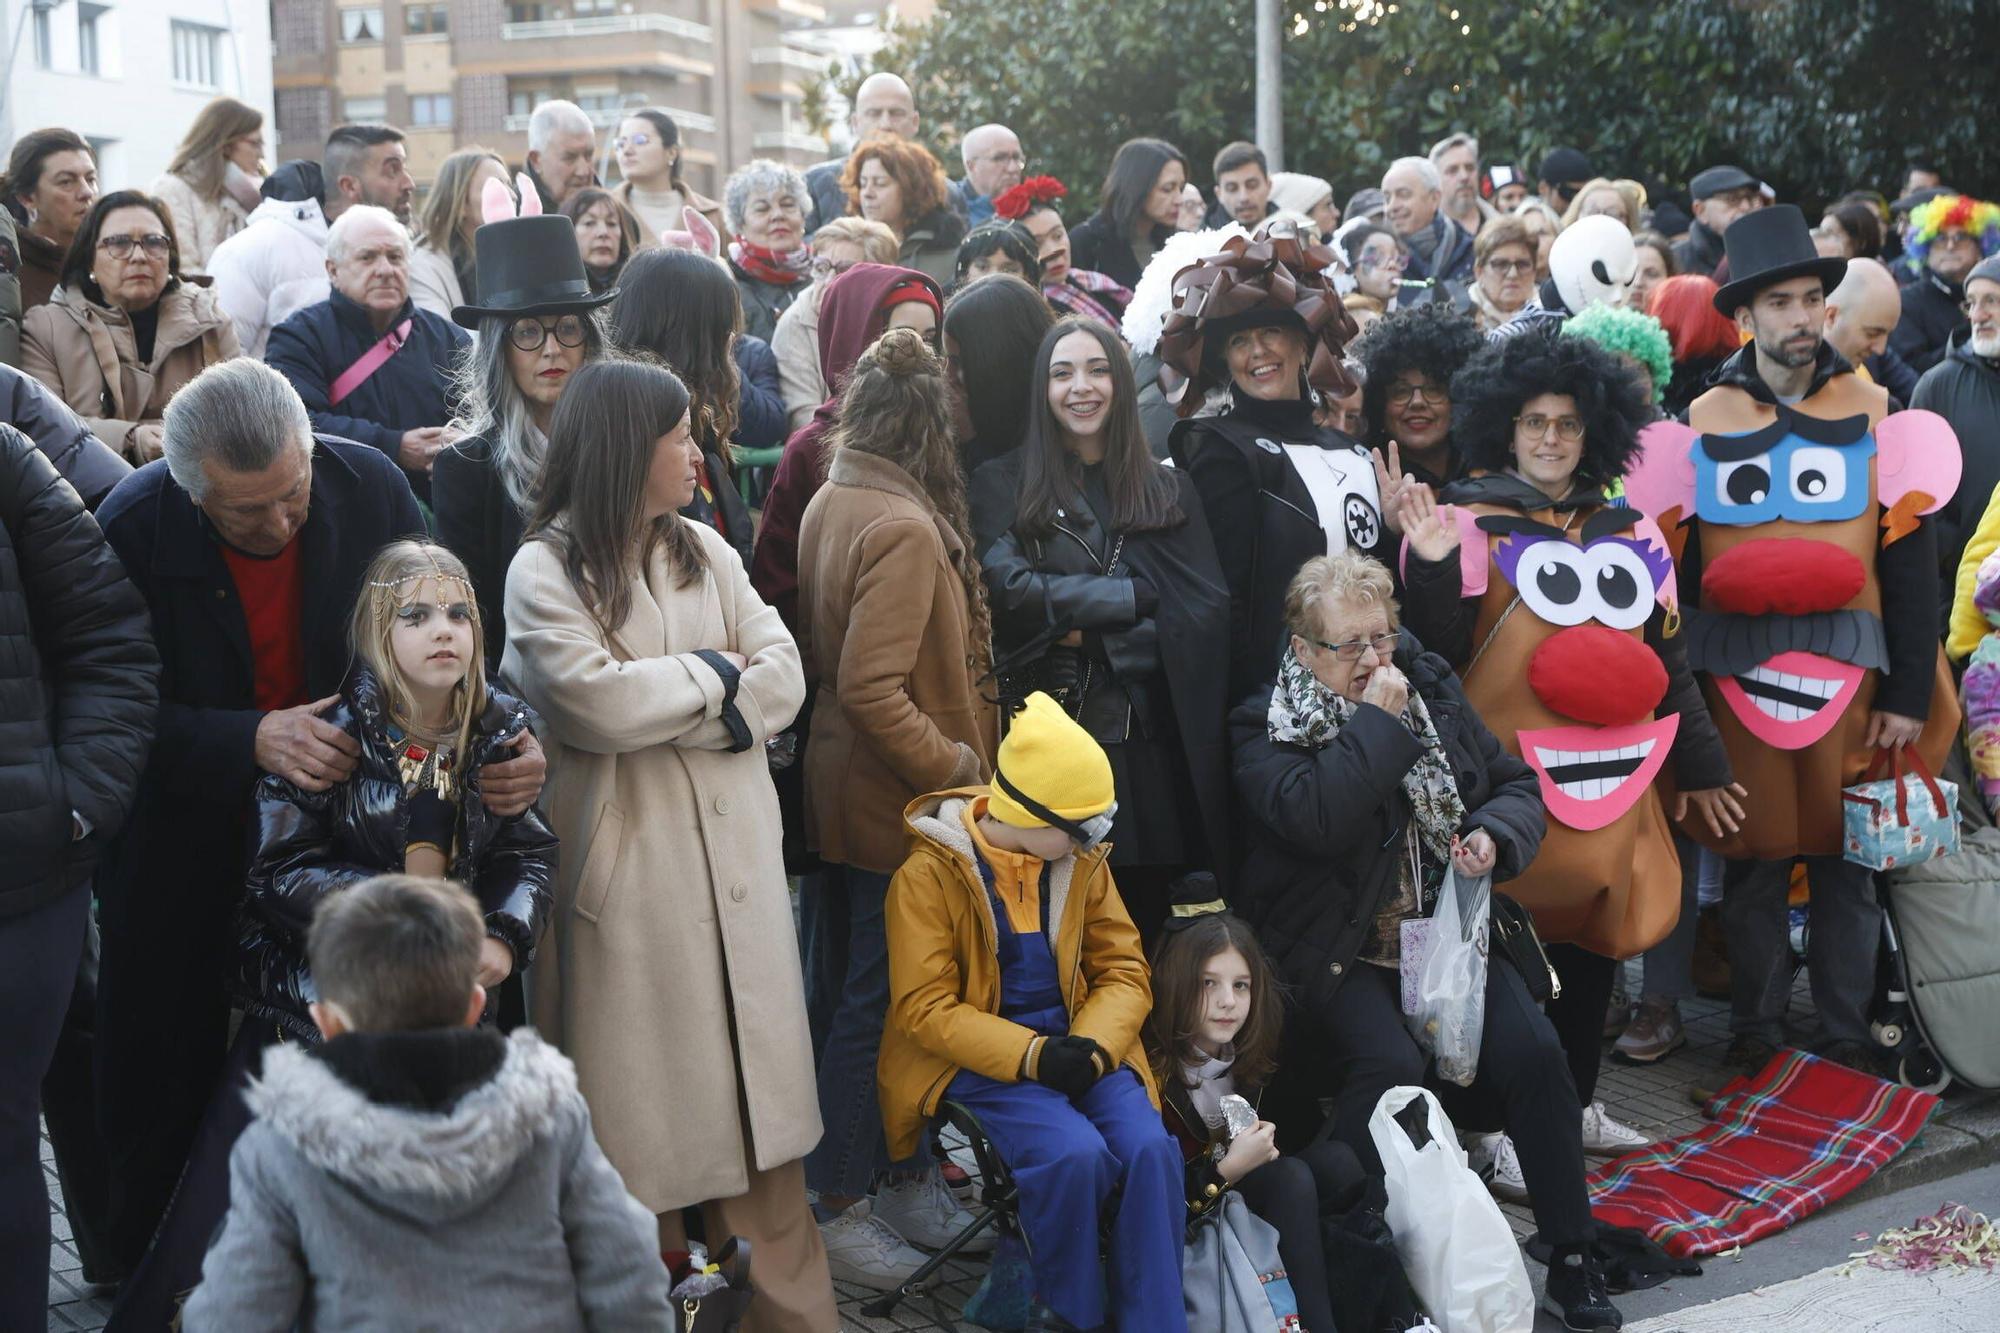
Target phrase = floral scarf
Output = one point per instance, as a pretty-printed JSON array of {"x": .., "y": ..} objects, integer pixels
[
  {"x": 1077, "y": 294},
  {"x": 1305, "y": 712},
  {"x": 786, "y": 268}
]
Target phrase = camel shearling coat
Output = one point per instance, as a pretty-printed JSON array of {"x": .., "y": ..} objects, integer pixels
[
  {"x": 86, "y": 354},
  {"x": 672, "y": 915},
  {"x": 887, "y": 632}
]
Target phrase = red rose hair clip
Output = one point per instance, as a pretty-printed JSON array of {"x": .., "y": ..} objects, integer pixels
[{"x": 1031, "y": 194}]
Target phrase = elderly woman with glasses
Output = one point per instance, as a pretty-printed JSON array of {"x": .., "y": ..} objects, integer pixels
[
  {"x": 766, "y": 204},
  {"x": 538, "y": 325},
  {"x": 1367, "y": 776},
  {"x": 121, "y": 331},
  {"x": 1558, "y": 608},
  {"x": 836, "y": 247},
  {"x": 1503, "y": 274}
]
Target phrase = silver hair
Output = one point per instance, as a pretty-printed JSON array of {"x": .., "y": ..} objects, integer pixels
[
  {"x": 491, "y": 408},
  {"x": 757, "y": 177},
  {"x": 351, "y": 218},
  {"x": 1422, "y": 166},
  {"x": 241, "y": 413},
  {"x": 1451, "y": 141},
  {"x": 978, "y": 132},
  {"x": 554, "y": 117}
]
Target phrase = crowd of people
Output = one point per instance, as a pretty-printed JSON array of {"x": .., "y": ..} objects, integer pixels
[{"x": 556, "y": 722}]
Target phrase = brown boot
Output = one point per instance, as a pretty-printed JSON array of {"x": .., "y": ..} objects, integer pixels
[{"x": 1711, "y": 954}]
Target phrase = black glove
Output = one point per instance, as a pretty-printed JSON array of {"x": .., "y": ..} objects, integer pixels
[
  {"x": 1145, "y": 597},
  {"x": 432, "y": 820},
  {"x": 1068, "y": 1064}
]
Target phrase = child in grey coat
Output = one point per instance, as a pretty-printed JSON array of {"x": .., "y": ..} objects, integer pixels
[{"x": 418, "y": 1171}]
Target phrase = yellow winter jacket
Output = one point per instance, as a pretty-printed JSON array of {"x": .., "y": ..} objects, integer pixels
[
  {"x": 944, "y": 969},
  {"x": 1968, "y": 625}
]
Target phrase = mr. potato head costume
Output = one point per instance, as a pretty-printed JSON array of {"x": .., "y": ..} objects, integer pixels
[{"x": 1810, "y": 573}]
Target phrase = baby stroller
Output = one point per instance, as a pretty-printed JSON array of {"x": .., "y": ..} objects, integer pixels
[{"x": 1941, "y": 928}]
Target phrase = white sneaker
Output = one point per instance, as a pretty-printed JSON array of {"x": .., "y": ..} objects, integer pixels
[
  {"x": 863, "y": 1250},
  {"x": 924, "y": 1212},
  {"x": 1492, "y": 1156},
  {"x": 1605, "y": 1137}
]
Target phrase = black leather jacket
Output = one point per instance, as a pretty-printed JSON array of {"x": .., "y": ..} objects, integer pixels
[{"x": 311, "y": 844}]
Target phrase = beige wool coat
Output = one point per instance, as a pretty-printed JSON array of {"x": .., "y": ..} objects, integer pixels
[
  {"x": 889, "y": 641},
  {"x": 86, "y": 354},
  {"x": 672, "y": 976}
]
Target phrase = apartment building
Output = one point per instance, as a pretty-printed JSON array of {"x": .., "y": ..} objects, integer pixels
[
  {"x": 129, "y": 75},
  {"x": 458, "y": 72}
]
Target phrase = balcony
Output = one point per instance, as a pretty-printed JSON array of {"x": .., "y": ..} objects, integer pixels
[
  {"x": 608, "y": 25},
  {"x": 797, "y": 9},
  {"x": 610, "y": 119},
  {"x": 789, "y": 57}
]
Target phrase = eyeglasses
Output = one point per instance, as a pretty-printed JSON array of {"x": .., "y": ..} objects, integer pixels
[
  {"x": 1013, "y": 159},
  {"x": 822, "y": 269},
  {"x": 1988, "y": 304},
  {"x": 530, "y": 334},
  {"x": 153, "y": 243},
  {"x": 1409, "y": 393},
  {"x": 1398, "y": 261},
  {"x": 1509, "y": 268},
  {"x": 1536, "y": 427},
  {"x": 630, "y": 140},
  {"x": 1351, "y": 651}
]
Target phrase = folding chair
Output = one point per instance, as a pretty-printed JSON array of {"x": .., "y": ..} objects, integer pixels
[{"x": 999, "y": 1206}]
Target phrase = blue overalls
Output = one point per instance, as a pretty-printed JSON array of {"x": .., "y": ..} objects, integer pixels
[{"x": 1068, "y": 1157}]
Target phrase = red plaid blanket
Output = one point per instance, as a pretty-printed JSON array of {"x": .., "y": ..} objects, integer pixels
[{"x": 1783, "y": 1145}]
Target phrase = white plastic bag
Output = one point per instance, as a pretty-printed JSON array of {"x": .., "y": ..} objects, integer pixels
[
  {"x": 1449, "y": 1013},
  {"x": 1456, "y": 1247}
]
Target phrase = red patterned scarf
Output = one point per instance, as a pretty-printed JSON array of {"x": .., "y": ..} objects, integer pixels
[{"x": 788, "y": 268}]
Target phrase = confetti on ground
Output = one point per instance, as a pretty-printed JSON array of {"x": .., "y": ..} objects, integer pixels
[{"x": 1953, "y": 1237}]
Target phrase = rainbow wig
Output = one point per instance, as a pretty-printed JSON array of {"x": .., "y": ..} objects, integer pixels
[
  {"x": 1628, "y": 333},
  {"x": 1951, "y": 212}
]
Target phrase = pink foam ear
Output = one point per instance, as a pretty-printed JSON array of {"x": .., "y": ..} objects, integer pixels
[
  {"x": 1917, "y": 451},
  {"x": 1472, "y": 552},
  {"x": 531, "y": 198},
  {"x": 1668, "y": 595},
  {"x": 496, "y": 203},
  {"x": 707, "y": 240},
  {"x": 1662, "y": 477}
]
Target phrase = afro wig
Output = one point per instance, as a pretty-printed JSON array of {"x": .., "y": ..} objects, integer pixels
[
  {"x": 1432, "y": 338},
  {"x": 1488, "y": 394},
  {"x": 1628, "y": 333}
]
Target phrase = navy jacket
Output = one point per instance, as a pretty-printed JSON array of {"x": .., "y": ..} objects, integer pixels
[
  {"x": 187, "y": 832},
  {"x": 1931, "y": 315},
  {"x": 760, "y": 406},
  {"x": 314, "y": 346}
]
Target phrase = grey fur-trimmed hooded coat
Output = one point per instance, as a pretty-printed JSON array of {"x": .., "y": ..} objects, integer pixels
[{"x": 391, "y": 1179}]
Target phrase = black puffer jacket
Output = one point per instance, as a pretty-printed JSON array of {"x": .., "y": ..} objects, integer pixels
[
  {"x": 1326, "y": 826},
  {"x": 79, "y": 682},
  {"x": 85, "y": 462},
  {"x": 311, "y": 844}
]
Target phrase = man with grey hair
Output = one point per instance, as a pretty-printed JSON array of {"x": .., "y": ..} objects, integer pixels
[
  {"x": 247, "y": 541},
  {"x": 993, "y": 162},
  {"x": 883, "y": 105},
  {"x": 562, "y": 151},
  {"x": 369, "y": 363},
  {"x": 1456, "y": 157},
  {"x": 1964, "y": 389},
  {"x": 1439, "y": 248}
]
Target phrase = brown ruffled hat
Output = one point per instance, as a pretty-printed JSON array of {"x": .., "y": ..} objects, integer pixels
[{"x": 1274, "y": 276}]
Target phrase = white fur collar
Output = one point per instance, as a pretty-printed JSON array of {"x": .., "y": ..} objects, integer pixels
[{"x": 403, "y": 1151}]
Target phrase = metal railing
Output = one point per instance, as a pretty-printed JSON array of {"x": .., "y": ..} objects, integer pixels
[
  {"x": 607, "y": 25},
  {"x": 609, "y": 119}
]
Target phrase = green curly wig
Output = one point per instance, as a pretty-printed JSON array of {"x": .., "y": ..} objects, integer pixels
[{"x": 1628, "y": 333}]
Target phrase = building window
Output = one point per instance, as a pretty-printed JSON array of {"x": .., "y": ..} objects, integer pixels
[
  {"x": 429, "y": 111},
  {"x": 364, "y": 110},
  {"x": 524, "y": 13},
  {"x": 588, "y": 8},
  {"x": 520, "y": 104},
  {"x": 197, "y": 54},
  {"x": 44, "y": 45},
  {"x": 425, "y": 20},
  {"x": 360, "y": 25},
  {"x": 600, "y": 102},
  {"x": 87, "y": 53}
]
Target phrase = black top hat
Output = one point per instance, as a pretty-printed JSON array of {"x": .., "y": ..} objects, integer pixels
[
  {"x": 1193, "y": 896},
  {"x": 1767, "y": 247},
  {"x": 529, "y": 266}
]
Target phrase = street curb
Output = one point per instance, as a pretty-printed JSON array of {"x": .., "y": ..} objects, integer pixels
[{"x": 1958, "y": 1139}]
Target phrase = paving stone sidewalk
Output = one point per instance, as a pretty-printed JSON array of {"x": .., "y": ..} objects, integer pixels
[{"x": 1965, "y": 1133}]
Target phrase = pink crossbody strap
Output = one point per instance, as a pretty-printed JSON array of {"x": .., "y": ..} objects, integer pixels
[{"x": 370, "y": 361}]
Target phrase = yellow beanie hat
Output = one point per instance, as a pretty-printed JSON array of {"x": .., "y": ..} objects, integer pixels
[{"x": 1052, "y": 761}]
